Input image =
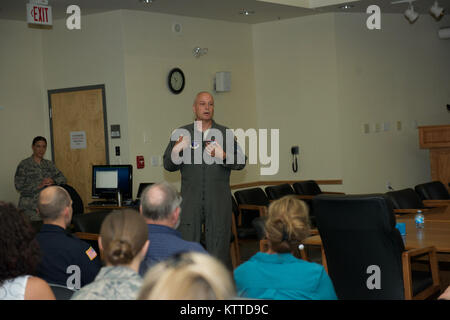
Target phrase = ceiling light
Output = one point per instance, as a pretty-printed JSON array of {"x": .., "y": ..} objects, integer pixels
[
  {"x": 410, "y": 14},
  {"x": 346, "y": 6},
  {"x": 436, "y": 10},
  {"x": 147, "y": 2},
  {"x": 246, "y": 12}
]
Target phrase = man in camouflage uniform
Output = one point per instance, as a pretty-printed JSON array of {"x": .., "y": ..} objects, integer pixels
[
  {"x": 32, "y": 175},
  {"x": 205, "y": 186}
]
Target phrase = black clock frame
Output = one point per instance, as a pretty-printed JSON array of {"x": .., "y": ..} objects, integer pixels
[{"x": 172, "y": 89}]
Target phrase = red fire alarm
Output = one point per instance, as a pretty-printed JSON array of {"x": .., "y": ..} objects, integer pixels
[{"x": 140, "y": 163}]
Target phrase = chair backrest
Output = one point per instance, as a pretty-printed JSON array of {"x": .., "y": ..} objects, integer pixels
[
  {"x": 434, "y": 190},
  {"x": 61, "y": 292},
  {"x": 309, "y": 187},
  {"x": 254, "y": 196},
  {"x": 279, "y": 191},
  {"x": 357, "y": 232},
  {"x": 405, "y": 199},
  {"x": 234, "y": 207},
  {"x": 77, "y": 202},
  {"x": 90, "y": 222}
]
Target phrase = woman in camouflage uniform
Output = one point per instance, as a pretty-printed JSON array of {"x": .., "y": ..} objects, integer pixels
[
  {"x": 32, "y": 175},
  {"x": 123, "y": 243}
]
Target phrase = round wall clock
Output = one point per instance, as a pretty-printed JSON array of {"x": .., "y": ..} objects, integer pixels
[{"x": 176, "y": 80}]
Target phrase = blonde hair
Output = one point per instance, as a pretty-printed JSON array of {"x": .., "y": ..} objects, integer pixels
[
  {"x": 123, "y": 234},
  {"x": 287, "y": 224},
  {"x": 188, "y": 276}
]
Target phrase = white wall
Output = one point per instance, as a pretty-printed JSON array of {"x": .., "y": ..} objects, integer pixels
[
  {"x": 399, "y": 73},
  {"x": 319, "y": 78},
  {"x": 22, "y": 110},
  {"x": 296, "y": 92}
]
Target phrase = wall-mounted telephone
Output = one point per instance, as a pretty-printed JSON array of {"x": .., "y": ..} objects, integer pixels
[{"x": 294, "y": 152}]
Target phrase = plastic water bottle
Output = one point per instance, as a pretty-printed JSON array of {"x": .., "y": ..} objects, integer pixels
[{"x": 420, "y": 219}]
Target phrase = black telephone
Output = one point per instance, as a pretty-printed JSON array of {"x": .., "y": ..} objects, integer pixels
[{"x": 294, "y": 151}]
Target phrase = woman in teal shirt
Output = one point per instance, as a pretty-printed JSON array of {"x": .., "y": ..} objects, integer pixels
[{"x": 279, "y": 273}]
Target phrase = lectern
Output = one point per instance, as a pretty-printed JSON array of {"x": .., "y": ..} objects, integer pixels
[{"x": 437, "y": 140}]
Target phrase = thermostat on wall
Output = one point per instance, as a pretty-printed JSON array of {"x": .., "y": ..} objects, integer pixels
[{"x": 115, "y": 131}]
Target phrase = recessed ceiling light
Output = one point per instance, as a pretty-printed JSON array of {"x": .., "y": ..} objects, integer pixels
[
  {"x": 246, "y": 12},
  {"x": 148, "y": 2},
  {"x": 346, "y": 6}
]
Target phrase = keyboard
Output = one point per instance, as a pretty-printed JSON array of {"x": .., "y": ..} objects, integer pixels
[{"x": 103, "y": 203}]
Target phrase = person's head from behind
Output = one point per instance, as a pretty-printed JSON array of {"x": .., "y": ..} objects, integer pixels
[
  {"x": 287, "y": 225},
  {"x": 39, "y": 146},
  {"x": 161, "y": 204},
  {"x": 188, "y": 276},
  {"x": 55, "y": 206},
  {"x": 123, "y": 238},
  {"x": 19, "y": 250}
]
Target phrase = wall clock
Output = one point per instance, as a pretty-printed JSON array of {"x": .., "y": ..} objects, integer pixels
[{"x": 176, "y": 80}]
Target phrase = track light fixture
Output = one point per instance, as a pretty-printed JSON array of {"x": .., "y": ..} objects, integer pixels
[
  {"x": 436, "y": 11},
  {"x": 410, "y": 14}
]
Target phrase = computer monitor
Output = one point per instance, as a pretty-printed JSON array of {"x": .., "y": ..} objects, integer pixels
[
  {"x": 142, "y": 186},
  {"x": 107, "y": 180}
]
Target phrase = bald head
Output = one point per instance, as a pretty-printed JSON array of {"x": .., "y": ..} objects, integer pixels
[
  {"x": 52, "y": 202},
  {"x": 203, "y": 106},
  {"x": 159, "y": 201}
]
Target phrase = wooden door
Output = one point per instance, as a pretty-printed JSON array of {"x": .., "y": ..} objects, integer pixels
[{"x": 79, "y": 134}]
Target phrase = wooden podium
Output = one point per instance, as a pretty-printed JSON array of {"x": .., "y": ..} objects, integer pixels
[{"x": 437, "y": 140}]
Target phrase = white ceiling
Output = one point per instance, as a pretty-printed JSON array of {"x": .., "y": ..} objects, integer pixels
[{"x": 228, "y": 10}]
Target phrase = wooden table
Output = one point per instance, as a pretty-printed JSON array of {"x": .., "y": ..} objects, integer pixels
[
  {"x": 438, "y": 214},
  {"x": 435, "y": 233}
]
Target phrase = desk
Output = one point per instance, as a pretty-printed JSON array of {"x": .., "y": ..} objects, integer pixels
[{"x": 109, "y": 207}]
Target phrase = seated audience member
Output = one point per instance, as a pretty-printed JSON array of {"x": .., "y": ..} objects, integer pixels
[
  {"x": 188, "y": 276},
  {"x": 123, "y": 243},
  {"x": 445, "y": 295},
  {"x": 59, "y": 249},
  {"x": 279, "y": 273},
  {"x": 160, "y": 207},
  {"x": 19, "y": 256},
  {"x": 32, "y": 175}
]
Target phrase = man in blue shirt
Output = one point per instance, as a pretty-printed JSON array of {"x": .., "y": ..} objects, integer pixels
[
  {"x": 66, "y": 260},
  {"x": 160, "y": 207}
]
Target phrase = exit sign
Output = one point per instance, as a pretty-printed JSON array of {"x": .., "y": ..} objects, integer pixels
[{"x": 39, "y": 14}]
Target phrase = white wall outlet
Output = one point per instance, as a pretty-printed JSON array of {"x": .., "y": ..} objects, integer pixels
[
  {"x": 377, "y": 127},
  {"x": 386, "y": 126},
  {"x": 145, "y": 137},
  {"x": 155, "y": 161},
  {"x": 365, "y": 128}
]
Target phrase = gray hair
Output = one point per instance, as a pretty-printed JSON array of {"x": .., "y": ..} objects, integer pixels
[{"x": 159, "y": 201}]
